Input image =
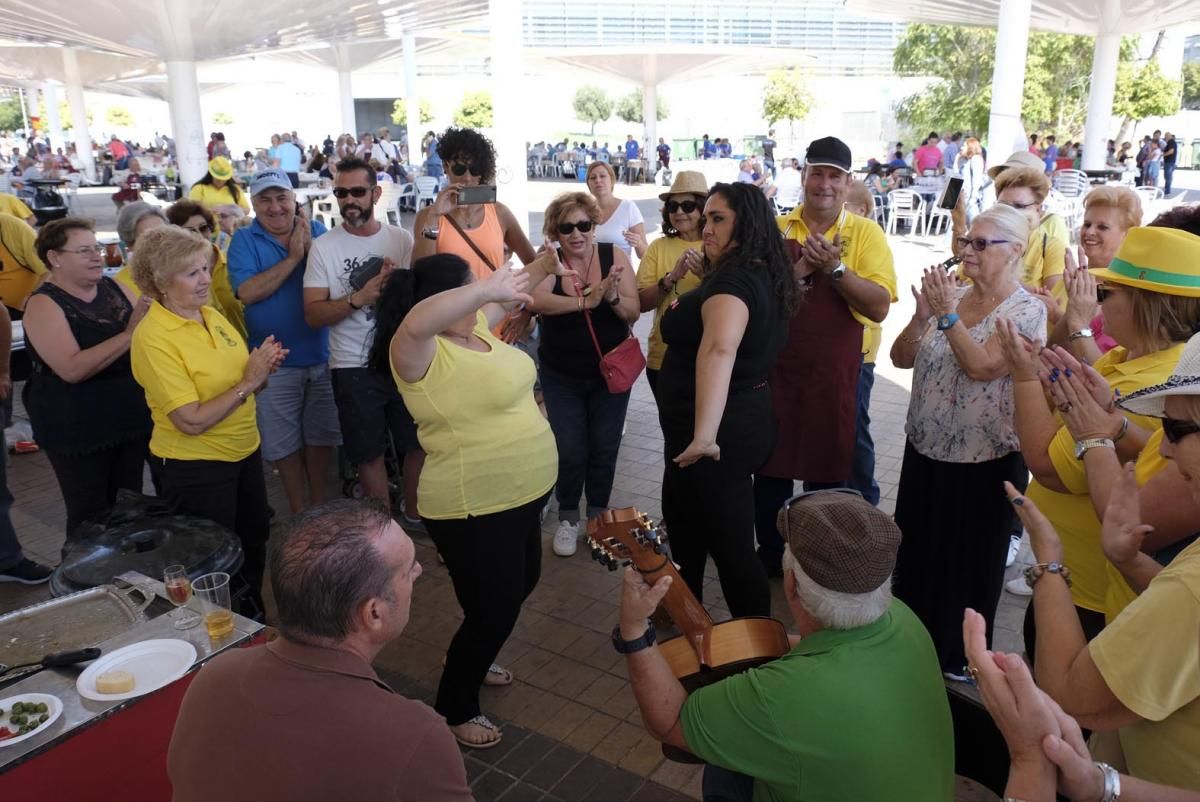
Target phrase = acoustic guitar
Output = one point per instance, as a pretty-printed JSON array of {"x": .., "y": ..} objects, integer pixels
[{"x": 706, "y": 652}]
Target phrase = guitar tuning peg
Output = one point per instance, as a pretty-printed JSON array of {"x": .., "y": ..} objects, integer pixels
[
  {"x": 658, "y": 547},
  {"x": 611, "y": 564}
]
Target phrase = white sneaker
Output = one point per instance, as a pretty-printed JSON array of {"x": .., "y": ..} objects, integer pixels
[
  {"x": 1014, "y": 547},
  {"x": 1018, "y": 587},
  {"x": 566, "y": 538}
]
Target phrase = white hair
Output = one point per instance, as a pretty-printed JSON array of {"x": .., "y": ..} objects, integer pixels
[{"x": 833, "y": 609}]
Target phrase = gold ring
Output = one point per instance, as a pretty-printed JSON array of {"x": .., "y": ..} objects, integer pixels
[
  {"x": 1066, "y": 406},
  {"x": 974, "y": 672}
]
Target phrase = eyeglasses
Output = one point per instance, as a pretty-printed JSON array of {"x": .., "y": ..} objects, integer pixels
[
  {"x": 204, "y": 229},
  {"x": 87, "y": 250},
  {"x": 979, "y": 243},
  {"x": 584, "y": 227},
  {"x": 1020, "y": 207},
  {"x": 341, "y": 193},
  {"x": 787, "y": 505},
  {"x": 687, "y": 207},
  {"x": 458, "y": 168},
  {"x": 1175, "y": 430},
  {"x": 1102, "y": 293}
]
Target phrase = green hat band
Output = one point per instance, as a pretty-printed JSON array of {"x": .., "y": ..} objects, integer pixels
[{"x": 1132, "y": 271}]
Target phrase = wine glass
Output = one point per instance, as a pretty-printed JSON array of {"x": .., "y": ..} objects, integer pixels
[{"x": 179, "y": 591}]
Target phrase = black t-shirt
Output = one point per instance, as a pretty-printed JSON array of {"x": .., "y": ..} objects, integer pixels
[
  {"x": 683, "y": 328},
  {"x": 1170, "y": 152},
  {"x": 768, "y": 146}
]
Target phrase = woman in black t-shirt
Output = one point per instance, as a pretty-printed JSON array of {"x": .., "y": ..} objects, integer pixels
[{"x": 714, "y": 404}]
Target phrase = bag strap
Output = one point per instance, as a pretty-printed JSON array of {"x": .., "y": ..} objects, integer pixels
[
  {"x": 470, "y": 242},
  {"x": 587, "y": 313}
]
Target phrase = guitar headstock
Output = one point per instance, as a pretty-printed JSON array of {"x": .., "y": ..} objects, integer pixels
[{"x": 620, "y": 537}]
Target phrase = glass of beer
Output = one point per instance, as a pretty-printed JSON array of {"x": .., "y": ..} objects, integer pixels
[
  {"x": 213, "y": 592},
  {"x": 179, "y": 591}
]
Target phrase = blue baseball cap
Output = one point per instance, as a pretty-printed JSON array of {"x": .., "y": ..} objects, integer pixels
[{"x": 269, "y": 179}]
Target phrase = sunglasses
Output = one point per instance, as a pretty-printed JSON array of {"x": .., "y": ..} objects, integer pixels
[
  {"x": 1102, "y": 293},
  {"x": 1175, "y": 430},
  {"x": 687, "y": 207},
  {"x": 341, "y": 193},
  {"x": 584, "y": 227},
  {"x": 462, "y": 169},
  {"x": 1020, "y": 207},
  {"x": 787, "y": 505},
  {"x": 979, "y": 243},
  {"x": 85, "y": 251}
]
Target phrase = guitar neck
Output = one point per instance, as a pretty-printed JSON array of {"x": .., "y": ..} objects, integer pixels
[{"x": 682, "y": 605}]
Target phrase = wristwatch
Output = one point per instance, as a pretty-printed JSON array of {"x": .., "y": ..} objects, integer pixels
[
  {"x": 1081, "y": 334},
  {"x": 429, "y": 232},
  {"x": 947, "y": 321},
  {"x": 839, "y": 271},
  {"x": 1082, "y": 446},
  {"x": 637, "y": 644}
]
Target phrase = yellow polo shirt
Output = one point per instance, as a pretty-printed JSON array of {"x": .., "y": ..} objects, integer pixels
[
  {"x": 212, "y": 197},
  {"x": 1150, "y": 659},
  {"x": 179, "y": 361},
  {"x": 1046, "y": 251},
  {"x": 20, "y": 268},
  {"x": 1071, "y": 512},
  {"x": 660, "y": 259},
  {"x": 221, "y": 297},
  {"x": 11, "y": 204},
  {"x": 865, "y": 251}
]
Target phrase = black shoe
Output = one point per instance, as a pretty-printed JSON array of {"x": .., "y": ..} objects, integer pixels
[{"x": 26, "y": 572}]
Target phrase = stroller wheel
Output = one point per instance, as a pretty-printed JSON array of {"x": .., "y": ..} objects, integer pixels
[{"x": 352, "y": 488}]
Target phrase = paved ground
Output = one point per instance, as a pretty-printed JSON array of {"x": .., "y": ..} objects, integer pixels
[{"x": 573, "y": 729}]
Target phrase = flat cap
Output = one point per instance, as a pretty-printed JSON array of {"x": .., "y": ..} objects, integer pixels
[{"x": 844, "y": 543}]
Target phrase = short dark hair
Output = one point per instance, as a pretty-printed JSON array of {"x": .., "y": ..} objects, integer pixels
[
  {"x": 326, "y": 564},
  {"x": 54, "y": 235},
  {"x": 404, "y": 289},
  {"x": 181, "y": 211},
  {"x": 467, "y": 144},
  {"x": 1184, "y": 218},
  {"x": 352, "y": 163},
  {"x": 668, "y": 228}
]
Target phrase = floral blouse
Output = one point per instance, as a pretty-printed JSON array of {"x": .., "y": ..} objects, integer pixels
[{"x": 952, "y": 418}]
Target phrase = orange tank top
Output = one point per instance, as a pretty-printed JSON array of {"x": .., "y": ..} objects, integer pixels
[{"x": 488, "y": 237}]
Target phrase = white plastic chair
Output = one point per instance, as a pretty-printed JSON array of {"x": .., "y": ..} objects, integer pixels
[
  {"x": 906, "y": 205},
  {"x": 787, "y": 197},
  {"x": 326, "y": 210},
  {"x": 1150, "y": 198},
  {"x": 6, "y": 182},
  {"x": 407, "y": 196},
  {"x": 152, "y": 199},
  {"x": 389, "y": 202},
  {"x": 936, "y": 215},
  {"x": 1071, "y": 183},
  {"x": 72, "y": 191},
  {"x": 427, "y": 189}
]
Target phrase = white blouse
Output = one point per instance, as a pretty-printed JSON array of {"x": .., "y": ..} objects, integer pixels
[{"x": 626, "y": 216}]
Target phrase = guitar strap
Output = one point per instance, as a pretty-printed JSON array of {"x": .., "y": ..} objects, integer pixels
[{"x": 466, "y": 238}]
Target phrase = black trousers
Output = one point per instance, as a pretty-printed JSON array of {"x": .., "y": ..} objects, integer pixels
[
  {"x": 709, "y": 505},
  {"x": 232, "y": 494},
  {"x": 495, "y": 562},
  {"x": 89, "y": 482}
]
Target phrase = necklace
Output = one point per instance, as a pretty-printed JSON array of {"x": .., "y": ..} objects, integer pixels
[{"x": 584, "y": 287}]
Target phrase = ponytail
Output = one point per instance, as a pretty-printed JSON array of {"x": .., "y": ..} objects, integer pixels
[{"x": 403, "y": 290}]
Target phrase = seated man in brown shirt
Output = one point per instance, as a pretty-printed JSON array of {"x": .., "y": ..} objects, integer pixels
[{"x": 305, "y": 717}]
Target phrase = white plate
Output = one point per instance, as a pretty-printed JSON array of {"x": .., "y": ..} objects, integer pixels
[
  {"x": 54, "y": 703},
  {"x": 153, "y": 664}
]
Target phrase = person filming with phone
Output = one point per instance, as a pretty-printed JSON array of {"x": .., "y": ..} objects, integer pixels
[{"x": 296, "y": 415}]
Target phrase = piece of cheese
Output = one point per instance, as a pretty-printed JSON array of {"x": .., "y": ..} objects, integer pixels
[{"x": 115, "y": 682}]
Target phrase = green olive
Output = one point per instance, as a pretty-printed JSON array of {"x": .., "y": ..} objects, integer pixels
[
  {"x": 18, "y": 708},
  {"x": 43, "y": 707},
  {"x": 43, "y": 718}
]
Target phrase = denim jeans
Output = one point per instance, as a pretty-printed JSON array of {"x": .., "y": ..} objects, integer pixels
[
  {"x": 1168, "y": 176},
  {"x": 723, "y": 785},
  {"x": 862, "y": 474},
  {"x": 587, "y": 421},
  {"x": 10, "y": 549}
]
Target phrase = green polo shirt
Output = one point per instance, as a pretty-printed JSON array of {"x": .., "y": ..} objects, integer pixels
[{"x": 857, "y": 714}]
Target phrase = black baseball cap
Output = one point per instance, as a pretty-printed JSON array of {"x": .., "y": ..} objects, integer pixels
[{"x": 828, "y": 151}]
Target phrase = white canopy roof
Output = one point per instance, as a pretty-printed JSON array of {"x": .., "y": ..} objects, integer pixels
[{"x": 1060, "y": 16}]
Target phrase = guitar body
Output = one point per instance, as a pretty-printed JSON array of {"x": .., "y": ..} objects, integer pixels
[{"x": 706, "y": 652}]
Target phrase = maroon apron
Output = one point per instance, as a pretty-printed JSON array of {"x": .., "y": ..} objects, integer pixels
[{"x": 814, "y": 386}]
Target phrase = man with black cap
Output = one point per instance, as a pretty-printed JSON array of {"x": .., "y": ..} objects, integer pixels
[
  {"x": 856, "y": 710},
  {"x": 821, "y": 384}
]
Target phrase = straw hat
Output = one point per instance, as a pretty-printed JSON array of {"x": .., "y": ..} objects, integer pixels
[
  {"x": 1022, "y": 158},
  {"x": 1162, "y": 260},
  {"x": 1184, "y": 381},
  {"x": 220, "y": 168},
  {"x": 687, "y": 182}
]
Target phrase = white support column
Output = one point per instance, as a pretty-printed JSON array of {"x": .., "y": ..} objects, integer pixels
[
  {"x": 650, "y": 106},
  {"x": 33, "y": 93},
  {"x": 183, "y": 97},
  {"x": 1098, "y": 125},
  {"x": 79, "y": 123},
  {"x": 1006, "y": 133},
  {"x": 50, "y": 94},
  {"x": 345, "y": 89},
  {"x": 508, "y": 129},
  {"x": 412, "y": 103}
]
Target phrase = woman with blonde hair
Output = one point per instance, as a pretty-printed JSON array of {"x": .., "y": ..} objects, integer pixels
[
  {"x": 974, "y": 175},
  {"x": 584, "y": 316},
  {"x": 1025, "y": 189},
  {"x": 200, "y": 382},
  {"x": 620, "y": 221},
  {"x": 962, "y": 441}
]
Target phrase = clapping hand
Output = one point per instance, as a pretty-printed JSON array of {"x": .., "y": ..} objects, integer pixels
[
  {"x": 822, "y": 254},
  {"x": 1019, "y": 351},
  {"x": 504, "y": 286},
  {"x": 1082, "y": 396},
  {"x": 1123, "y": 532},
  {"x": 1082, "y": 306},
  {"x": 923, "y": 311},
  {"x": 1047, "y": 547},
  {"x": 941, "y": 290}
]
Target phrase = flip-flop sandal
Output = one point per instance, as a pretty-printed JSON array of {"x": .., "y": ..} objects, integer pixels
[
  {"x": 497, "y": 676},
  {"x": 480, "y": 721}
]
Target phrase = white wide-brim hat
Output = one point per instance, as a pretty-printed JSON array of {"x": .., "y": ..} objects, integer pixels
[{"x": 1185, "y": 380}]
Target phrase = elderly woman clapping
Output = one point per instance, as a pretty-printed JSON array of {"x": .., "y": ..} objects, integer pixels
[
  {"x": 1151, "y": 306},
  {"x": 200, "y": 382},
  {"x": 961, "y": 440}
]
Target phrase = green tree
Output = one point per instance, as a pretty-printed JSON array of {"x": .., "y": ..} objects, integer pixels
[
  {"x": 400, "y": 111},
  {"x": 475, "y": 111},
  {"x": 785, "y": 97},
  {"x": 1191, "y": 85},
  {"x": 10, "y": 114},
  {"x": 119, "y": 117},
  {"x": 629, "y": 107},
  {"x": 1145, "y": 92},
  {"x": 592, "y": 105},
  {"x": 222, "y": 118}
]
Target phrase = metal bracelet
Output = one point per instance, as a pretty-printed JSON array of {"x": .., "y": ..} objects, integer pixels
[{"x": 1112, "y": 782}]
